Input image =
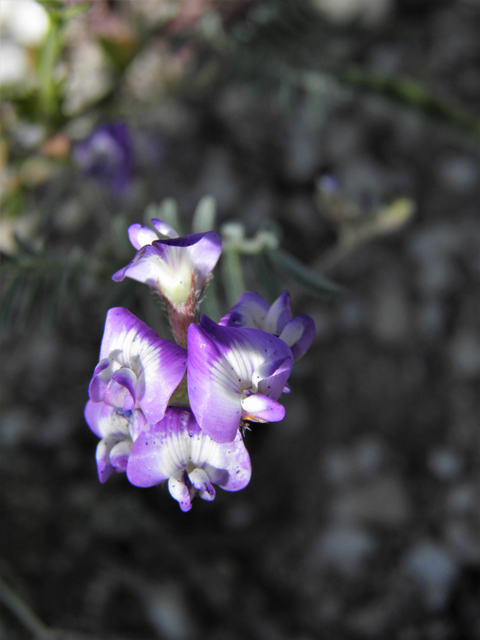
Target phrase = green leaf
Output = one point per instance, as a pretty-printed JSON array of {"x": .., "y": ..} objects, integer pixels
[
  {"x": 294, "y": 269},
  {"x": 204, "y": 216},
  {"x": 11, "y": 299},
  {"x": 59, "y": 11},
  {"x": 24, "y": 245},
  {"x": 266, "y": 276}
]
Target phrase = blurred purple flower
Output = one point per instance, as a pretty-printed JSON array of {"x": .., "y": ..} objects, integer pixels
[
  {"x": 177, "y": 450},
  {"x": 235, "y": 374},
  {"x": 117, "y": 429},
  {"x": 137, "y": 369},
  {"x": 108, "y": 155},
  {"x": 254, "y": 312}
]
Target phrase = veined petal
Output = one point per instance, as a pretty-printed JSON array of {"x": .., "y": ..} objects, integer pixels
[
  {"x": 176, "y": 445},
  {"x": 260, "y": 408},
  {"x": 140, "y": 235},
  {"x": 159, "y": 365},
  {"x": 162, "y": 450},
  {"x": 106, "y": 421},
  {"x": 214, "y": 387},
  {"x": 250, "y": 312},
  {"x": 279, "y": 315},
  {"x": 299, "y": 334},
  {"x": 221, "y": 364},
  {"x": 164, "y": 228}
]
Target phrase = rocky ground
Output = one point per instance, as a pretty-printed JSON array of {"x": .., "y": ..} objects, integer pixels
[{"x": 362, "y": 516}]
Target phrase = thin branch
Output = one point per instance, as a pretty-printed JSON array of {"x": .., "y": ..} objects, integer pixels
[{"x": 23, "y": 613}]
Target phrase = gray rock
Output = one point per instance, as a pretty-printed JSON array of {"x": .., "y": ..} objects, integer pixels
[{"x": 434, "y": 570}]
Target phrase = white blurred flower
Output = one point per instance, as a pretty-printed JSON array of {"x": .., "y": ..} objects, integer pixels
[
  {"x": 88, "y": 78},
  {"x": 14, "y": 63},
  {"x": 369, "y": 12},
  {"x": 26, "y": 21}
]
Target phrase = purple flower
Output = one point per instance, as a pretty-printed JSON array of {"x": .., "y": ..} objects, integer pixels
[
  {"x": 177, "y": 268},
  {"x": 117, "y": 430},
  {"x": 137, "y": 369},
  {"x": 233, "y": 375},
  {"x": 254, "y": 312},
  {"x": 177, "y": 450},
  {"x": 108, "y": 155}
]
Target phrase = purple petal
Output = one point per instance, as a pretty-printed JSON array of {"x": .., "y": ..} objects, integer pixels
[
  {"x": 203, "y": 250},
  {"x": 148, "y": 266},
  {"x": 127, "y": 379},
  {"x": 201, "y": 483},
  {"x": 141, "y": 236},
  {"x": 260, "y": 408},
  {"x": 279, "y": 315},
  {"x": 164, "y": 228},
  {"x": 204, "y": 255},
  {"x": 180, "y": 492},
  {"x": 118, "y": 396},
  {"x": 106, "y": 421},
  {"x": 119, "y": 455},
  {"x": 108, "y": 155},
  {"x": 221, "y": 364},
  {"x": 158, "y": 364},
  {"x": 249, "y": 312},
  {"x": 102, "y": 456},
  {"x": 165, "y": 450},
  {"x": 234, "y": 458},
  {"x": 170, "y": 265},
  {"x": 299, "y": 334},
  {"x": 162, "y": 449},
  {"x": 167, "y": 269},
  {"x": 120, "y": 391},
  {"x": 101, "y": 377},
  {"x": 270, "y": 377}
]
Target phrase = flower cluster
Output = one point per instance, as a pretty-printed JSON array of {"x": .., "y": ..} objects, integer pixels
[{"x": 175, "y": 411}]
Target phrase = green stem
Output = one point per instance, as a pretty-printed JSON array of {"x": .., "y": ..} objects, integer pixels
[{"x": 232, "y": 274}]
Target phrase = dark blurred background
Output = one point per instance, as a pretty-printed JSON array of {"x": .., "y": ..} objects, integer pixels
[{"x": 350, "y": 127}]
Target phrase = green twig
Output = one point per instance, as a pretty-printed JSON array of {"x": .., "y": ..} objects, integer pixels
[{"x": 24, "y": 614}]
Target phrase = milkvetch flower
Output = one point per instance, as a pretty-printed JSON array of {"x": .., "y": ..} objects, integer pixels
[
  {"x": 108, "y": 155},
  {"x": 177, "y": 450},
  {"x": 253, "y": 311},
  {"x": 117, "y": 429},
  {"x": 177, "y": 268},
  {"x": 233, "y": 375},
  {"x": 137, "y": 369}
]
